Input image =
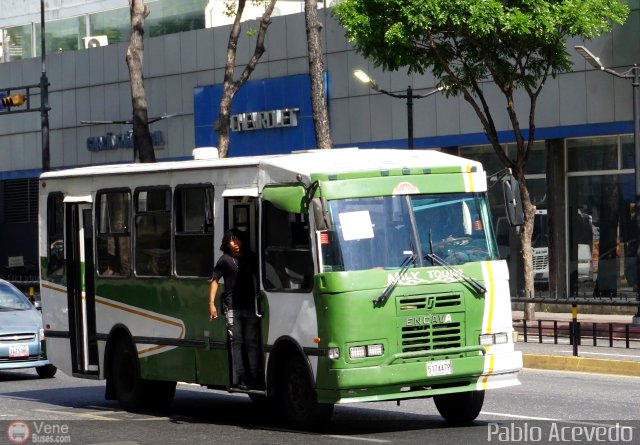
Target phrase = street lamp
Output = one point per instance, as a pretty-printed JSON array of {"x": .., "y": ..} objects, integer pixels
[
  {"x": 364, "y": 78},
  {"x": 632, "y": 74}
]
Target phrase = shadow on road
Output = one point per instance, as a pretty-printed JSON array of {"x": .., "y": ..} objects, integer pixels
[{"x": 203, "y": 408}]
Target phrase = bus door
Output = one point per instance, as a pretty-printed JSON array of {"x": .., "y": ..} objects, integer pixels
[
  {"x": 240, "y": 212},
  {"x": 80, "y": 285}
]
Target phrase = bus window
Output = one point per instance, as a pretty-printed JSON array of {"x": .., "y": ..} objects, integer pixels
[
  {"x": 152, "y": 244},
  {"x": 112, "y": 233},
  {"x": 55, "y": 235},
  {"x": 287, "y": 262},
  {"x": 193, "y": 238}
]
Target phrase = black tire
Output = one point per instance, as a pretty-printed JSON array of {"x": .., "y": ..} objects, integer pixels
[
  {"x": 128, "y": 387},
  {"x": 460, "y": 408},
  {"x": 261, "y": 400},
  {"x": 46, "y": 371},
  {"x": 297, "y": 399}
]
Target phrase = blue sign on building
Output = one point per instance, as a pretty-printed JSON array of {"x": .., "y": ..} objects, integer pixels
[{"x": 269, "y": 116}]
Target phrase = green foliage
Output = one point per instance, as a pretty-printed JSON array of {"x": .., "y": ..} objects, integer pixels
[
  {"x": 231, "y": 7},
  {"x": 516, "y": 42}
]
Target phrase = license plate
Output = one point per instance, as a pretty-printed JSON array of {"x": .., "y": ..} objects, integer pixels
[
  {"x": 18, "y": 351},
  {"x": 439, "y": 367}
]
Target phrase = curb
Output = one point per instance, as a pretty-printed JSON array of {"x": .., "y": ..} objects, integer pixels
[{"x": 581, "y": 364}]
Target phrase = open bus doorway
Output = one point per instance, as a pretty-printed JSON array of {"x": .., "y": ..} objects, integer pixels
[
  {"x": 80, "y": 287},
  {"x": 240, "y": 214}
]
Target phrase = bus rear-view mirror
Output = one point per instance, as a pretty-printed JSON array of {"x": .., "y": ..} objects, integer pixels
[{"x": 513, "y": 201}]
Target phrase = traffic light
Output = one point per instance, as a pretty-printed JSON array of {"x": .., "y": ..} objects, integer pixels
[{"x": 14, "y": 100}]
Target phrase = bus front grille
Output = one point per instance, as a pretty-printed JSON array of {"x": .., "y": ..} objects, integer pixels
[
  {"x": 431, "y": 337},
  {"x": 429, "y": 301}
]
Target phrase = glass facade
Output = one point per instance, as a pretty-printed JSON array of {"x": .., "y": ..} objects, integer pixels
[
  {"x": 70, "y": 34},
  {"x": 600, "y": 216},
  {"x": 600, "y": 212}
]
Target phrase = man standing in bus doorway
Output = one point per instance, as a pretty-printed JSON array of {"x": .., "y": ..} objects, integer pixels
[{"x": 238, "y": 267}]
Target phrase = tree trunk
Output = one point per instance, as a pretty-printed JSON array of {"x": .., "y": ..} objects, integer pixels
[
  {"x": 316, "y": 71},
  {"x": 142, "y": 142},
  {"x": 525, "y": 243},
  {"x": 231, "y": 86}
]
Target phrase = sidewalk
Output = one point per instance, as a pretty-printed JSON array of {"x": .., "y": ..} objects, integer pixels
[{"x": 617, "y": 360}]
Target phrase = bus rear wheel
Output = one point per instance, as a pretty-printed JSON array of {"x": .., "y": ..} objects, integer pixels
[
  {"x": 460, "y": 408},
  {"x": 297, "y": 399},
  {"x": 128, "y": 387},
  {"x": 133, "y": 392}
]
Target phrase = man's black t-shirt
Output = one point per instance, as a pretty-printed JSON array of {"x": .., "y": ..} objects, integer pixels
[{"x": 240, "y": 277}]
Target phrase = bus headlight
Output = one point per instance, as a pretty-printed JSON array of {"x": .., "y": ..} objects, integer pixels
[
  {"x": 374, "y": 350},
  {"x": 357, "y": 352},
  {"x": 41, "y": 332},
  {"x": 494, "y": 339}
]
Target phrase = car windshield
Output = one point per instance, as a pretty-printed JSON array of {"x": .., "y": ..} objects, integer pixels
[
  {"x": 381, "y": 232},
  {"x": 12, "y": 300}
]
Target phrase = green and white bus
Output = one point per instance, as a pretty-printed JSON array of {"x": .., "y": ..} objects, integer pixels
[{"x": 380, "y": 278}]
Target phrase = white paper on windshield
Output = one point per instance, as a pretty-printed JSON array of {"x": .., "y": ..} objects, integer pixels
[{"x": 356, "y": 225}]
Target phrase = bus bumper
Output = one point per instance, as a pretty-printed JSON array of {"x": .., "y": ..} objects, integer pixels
[{"x": 410, "y": 380}]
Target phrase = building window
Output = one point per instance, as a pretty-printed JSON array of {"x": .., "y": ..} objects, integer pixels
[
  {"x": 601, "y": 215},
  {"x": 113, "y": 219},
  {"x": 588, "y": 154},
  {"x": 152, "y": 247},
  {"x": 21, "y": 200},
  {"x": 193, "y": 238}
]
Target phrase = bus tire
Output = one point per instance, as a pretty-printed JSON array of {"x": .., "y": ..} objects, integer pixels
[
  {"x": 296, "y": 397},
  {"x": 460, "y": 408},
  {"x": 46, "y": 371},
  {"x": 128, "y": 387}
]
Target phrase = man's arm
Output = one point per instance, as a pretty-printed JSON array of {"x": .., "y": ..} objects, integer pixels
[{"x": 213, "y": 312}]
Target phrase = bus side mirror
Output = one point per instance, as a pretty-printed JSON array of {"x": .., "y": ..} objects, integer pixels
[
  {"x": 512, "y": 201},
  {"x": 321, "y": 213}
]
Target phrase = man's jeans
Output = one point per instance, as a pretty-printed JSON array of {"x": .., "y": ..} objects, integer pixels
[{"x": 243, "y": 327}]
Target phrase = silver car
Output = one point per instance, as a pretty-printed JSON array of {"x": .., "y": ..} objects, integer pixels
[{"x": 21, "y": 333}]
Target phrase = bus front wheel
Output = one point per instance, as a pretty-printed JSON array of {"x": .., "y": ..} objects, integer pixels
[
  {"x": 460, "y": 408},
  {"x": 297, "y": 398}
]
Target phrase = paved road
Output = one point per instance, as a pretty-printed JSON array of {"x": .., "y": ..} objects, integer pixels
[{"x": 546, "y": 398}]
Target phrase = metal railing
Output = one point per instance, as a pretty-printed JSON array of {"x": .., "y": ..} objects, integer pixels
[{"x": 610, "y": 334}]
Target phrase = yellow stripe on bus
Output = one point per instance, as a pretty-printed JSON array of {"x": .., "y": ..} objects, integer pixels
[
  {"x": 470, "y": 176},
  {"x": 146, "y": 315},
  {"x": 485, "y": 379},
  {"x": 492, "y": 295}
]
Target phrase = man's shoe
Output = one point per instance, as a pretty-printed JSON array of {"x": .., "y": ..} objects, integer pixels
[{"x": 243, "y": 386}]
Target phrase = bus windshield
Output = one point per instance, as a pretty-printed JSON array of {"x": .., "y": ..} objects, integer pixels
[{"x": 381, "y": 232}]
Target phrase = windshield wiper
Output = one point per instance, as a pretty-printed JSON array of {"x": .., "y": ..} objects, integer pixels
[
  {"x": 404, "y": 266},
  {"x": 475, "y": 285}
]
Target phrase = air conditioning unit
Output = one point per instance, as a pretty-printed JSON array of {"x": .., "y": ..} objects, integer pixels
[{"x": 95, "y": 41}]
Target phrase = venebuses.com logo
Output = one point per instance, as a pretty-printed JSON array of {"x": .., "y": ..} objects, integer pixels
[{"x": 20, "y": 432}]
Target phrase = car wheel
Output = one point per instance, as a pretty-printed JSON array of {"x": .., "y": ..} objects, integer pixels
[{"x": 46, "y": 371}]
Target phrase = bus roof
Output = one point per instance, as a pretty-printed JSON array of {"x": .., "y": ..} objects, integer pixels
[{"x": 303, "y": 163}]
